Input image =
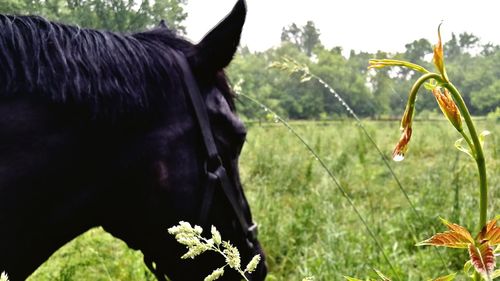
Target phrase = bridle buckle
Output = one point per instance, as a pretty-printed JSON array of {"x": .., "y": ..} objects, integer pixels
[{"x": 253, "y": 231}]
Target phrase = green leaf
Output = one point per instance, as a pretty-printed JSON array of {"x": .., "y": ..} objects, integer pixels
[
  {"x": 381, "y": 275},
  {"x": 483, "y": 136},
  {"x": 351, "y": 278},
  {"x": 429, "y": 86},
  {"x": 446, "y": 278},
  {"x": 495, "y": 274},
  {"x": 464, "y": 149},
  {"x": 381, "y": 63},
  {"x": 469, "y": 268}
]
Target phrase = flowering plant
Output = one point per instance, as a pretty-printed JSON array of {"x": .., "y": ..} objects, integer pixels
[
  {"x": 450, "y": 101},
  {"x": 196, "y": 244}
]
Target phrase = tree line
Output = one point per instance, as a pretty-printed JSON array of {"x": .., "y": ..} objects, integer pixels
[
  {"x": 472, "y": 65},
  {"x": 114, "y": 15}
]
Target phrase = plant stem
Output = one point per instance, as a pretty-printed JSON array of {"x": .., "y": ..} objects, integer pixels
[
  {"x": 478, "y": 155},
  {"x": 475, "y": 146},
  {"x": 469, "y": 142},
  {"x": 216, "y": 248}
]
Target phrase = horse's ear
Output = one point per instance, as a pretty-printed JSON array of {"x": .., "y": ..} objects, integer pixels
[
  {"x": 162, "y": 24},
  {"x": 216, "y": 50}
]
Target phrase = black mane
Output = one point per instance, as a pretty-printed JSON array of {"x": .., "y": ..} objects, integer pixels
[{"x": 108, "y": 73}]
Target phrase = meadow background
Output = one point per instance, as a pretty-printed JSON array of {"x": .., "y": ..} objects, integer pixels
[{"x": 307, "y": 226}]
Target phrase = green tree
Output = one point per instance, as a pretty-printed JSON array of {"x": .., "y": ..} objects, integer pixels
[
  {"x": 345, "y": 77},
  {"x": 306, "y": 38},
  {"x": 310, "y": 37},
  {"x": 292, "y": 34},
  {"x": 467, "y": 41},
  {"x": 115, "y": 15},
  {"x": 382, "y": 88},
  {"x": 11, "y": 6},
  {"x": 416, "y": 52},
  {"x": 489, "y": 49},
  {"x": 452, "y": 47},
  {"x": 487, "y": 99}
]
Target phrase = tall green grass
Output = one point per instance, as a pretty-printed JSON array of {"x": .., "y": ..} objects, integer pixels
[{"x": 307, "y": 227}]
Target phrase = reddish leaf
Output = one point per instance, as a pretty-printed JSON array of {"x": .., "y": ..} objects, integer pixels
[
  {"x": 400, "y": 150},
  {"x": 483, "y": 259},
  {"x": 438, "y": 58},
  {"x": 457, "y": 237},
  {"x": 490, "y": 233},
  {"x": 448, "y": 107}
]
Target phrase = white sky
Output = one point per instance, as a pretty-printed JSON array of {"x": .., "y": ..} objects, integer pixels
[{"x": 362, "y": 25}]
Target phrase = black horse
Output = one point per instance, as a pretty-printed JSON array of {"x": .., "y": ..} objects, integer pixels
[{"x": 133, "y": 133}]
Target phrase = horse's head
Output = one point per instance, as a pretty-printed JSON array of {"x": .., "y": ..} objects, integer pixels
[
  {"x": 130, "y": 132},
  {"x": 195, "y": 175}
]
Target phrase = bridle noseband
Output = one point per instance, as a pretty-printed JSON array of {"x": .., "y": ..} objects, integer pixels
[{"x": 216, "y": 173}]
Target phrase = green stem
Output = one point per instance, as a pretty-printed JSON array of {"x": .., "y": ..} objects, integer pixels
[
  {"x": 477, "y": 152},
  {"x": 469, "y": 142},
  {"x": 476, "y": 146},
  {"x": 478, "y": 155},
  {"x": 414, "y": 90}
]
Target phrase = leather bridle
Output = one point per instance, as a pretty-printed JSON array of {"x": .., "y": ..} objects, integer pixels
[{"x": 215, "y": 172}]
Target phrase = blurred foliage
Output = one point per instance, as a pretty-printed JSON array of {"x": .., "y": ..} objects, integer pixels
[
  {"x": 370, "y": 94},
  {"x": 115, "y": 15}
]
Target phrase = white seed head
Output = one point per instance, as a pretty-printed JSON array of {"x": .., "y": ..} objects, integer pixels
[
  {"x": 216, "y": 236},
  {"x": 232, "y": 255},
  {"x": 198, "y": 229},
  {"x": 252, "y": 265},
  {"x": 195, "y": 251},
  {"x": 216, "y": 274}
]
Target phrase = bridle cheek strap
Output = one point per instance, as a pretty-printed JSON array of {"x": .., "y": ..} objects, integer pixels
[{"x": 216, "y": 173}]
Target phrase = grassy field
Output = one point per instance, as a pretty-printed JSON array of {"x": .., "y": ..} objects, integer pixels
[{"x": 307, "y": 226}]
